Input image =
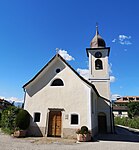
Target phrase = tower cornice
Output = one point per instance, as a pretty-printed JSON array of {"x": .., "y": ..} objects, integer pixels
[{"x": 97, "y": 49}]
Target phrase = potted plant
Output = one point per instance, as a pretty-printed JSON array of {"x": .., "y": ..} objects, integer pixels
[
  {"x": 83, "y": 134},
  {"x": 22, "y": 123}
]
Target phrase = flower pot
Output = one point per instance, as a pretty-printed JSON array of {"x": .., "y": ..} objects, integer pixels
[
  {"x": 83, "y": 137},
  {"x": 20, "y": 133}
]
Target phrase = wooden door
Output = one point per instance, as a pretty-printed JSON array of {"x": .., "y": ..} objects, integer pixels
[{"x": 54, "y": 127}]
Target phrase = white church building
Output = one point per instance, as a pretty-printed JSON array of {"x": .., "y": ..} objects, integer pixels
[{"x": 60, "y": 101}]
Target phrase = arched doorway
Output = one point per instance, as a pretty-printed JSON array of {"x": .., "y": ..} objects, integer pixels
[{"x": 102, "y": 123}]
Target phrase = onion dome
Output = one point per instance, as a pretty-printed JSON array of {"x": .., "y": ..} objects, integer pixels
[{"x": 97, "y": 41}]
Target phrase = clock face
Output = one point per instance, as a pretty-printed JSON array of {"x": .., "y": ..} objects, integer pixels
[{"x": 98, "y": 54}]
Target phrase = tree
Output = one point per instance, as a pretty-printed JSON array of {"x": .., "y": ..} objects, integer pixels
[
  {"x": 0, "y": 119},
  {"x": 23, "y": 119},
  {"x": 133, "y": 109},
  {"x": 8, "y": 118}
]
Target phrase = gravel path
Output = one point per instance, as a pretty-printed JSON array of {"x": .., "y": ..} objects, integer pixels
[{"x": 106, "y": 142}]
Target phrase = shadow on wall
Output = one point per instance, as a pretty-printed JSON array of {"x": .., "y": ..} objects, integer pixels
[
  {"x": 44, "y": 79},
  {"x": 34, "y": 130},
  {"x": 102, "y": 122},
  {"x": 104, "y": 116}
]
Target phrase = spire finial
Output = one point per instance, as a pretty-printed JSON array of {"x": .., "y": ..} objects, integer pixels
[
  {"x": 97, "y": 28},
  {"x": 57, "y": 50}
]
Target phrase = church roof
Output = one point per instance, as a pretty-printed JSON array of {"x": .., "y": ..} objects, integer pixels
[
  {"x": 97, "y": 41},
  {"x": 57, "y": 55},
  {"x": 83, "y": 79}
]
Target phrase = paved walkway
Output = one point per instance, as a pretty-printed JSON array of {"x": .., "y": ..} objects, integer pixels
[
  {"x": 122, "y": 134},
  {"x": 123, "y": 140}
]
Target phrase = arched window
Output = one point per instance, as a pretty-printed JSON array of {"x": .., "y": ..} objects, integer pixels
[
  {"x": 57, "y": 82},
  {"x": 98, "y": 64}
]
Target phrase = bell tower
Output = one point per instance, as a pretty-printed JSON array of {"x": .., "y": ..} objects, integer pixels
[{"x": 98, "y": 55}]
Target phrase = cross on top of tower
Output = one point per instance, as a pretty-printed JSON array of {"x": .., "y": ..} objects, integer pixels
[
  {"x": 97, "y": 29},
  {"x": 97, "y": 41}
]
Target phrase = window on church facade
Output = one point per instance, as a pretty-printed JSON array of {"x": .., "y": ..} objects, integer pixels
[
  {"x": 98, "y": 64},
  {"x": 57, "y": 82},
  {"x": 37, "y": 116},
  {"x": 74, "y": 119}
]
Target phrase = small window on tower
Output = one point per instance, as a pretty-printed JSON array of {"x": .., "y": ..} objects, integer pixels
[
  {"x": 98, "y": 54},
  {"x": 98, "y": 64}
]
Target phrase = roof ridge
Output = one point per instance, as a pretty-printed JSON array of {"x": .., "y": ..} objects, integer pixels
[{"x": 58, "y": 55}]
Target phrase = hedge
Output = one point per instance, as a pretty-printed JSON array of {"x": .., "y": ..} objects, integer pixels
[{"x": 133, "y": 123}]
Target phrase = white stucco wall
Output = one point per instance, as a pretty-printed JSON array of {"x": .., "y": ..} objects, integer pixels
[
  {"x": 100, "y": 78},
  {"x": 73, "y": 97},
  {"x": 103, "y": 87},
  {"x": 98, "y": 74},
  {"x": 94, "y": 112}
]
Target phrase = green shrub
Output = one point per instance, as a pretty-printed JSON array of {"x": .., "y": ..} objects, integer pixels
[
  {"x": 0, "y": 119},
  {"x": 133, "y": 109},
  {"x": 22, "y": 119},
  {"x": 14, "y": 117},
  {"x": 133, "y": 123},
  {"x": 7, "y": 131},
  {"x": 83, "y": 130},
  {"x": 8, "y": 118}
]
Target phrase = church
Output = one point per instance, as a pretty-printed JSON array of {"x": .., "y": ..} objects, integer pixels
[{"x": 60, "y": 101}]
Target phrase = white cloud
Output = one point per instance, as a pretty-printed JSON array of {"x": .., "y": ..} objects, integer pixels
[
  {"x": 15, "y": 99},
  {"x": 2, "y": 97},
  {"x": 114, "y": 40},
  {"x": 125, "y": 42},
  {"x": 112, "y": 79},
  {"x": 87, "y": 63},
  {"x": 115, "y": 96},
  {"x": 124, "y": 39},
  {"x": 11, "y": 99},
  {"x": 64, "y": 54},
  {"x": 83, "y": 72},
  {"x": 110, "y": 68}
]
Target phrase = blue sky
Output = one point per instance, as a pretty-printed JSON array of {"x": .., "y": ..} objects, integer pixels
[{"x": 31, "y": 30}]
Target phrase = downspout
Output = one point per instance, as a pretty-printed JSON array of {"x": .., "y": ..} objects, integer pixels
[
  {"x": 47, "y": 122},
  {"x": 24, "y": 98},
  {"x": 111, "y": 117},
  {"x": 90, "y": 110}
]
